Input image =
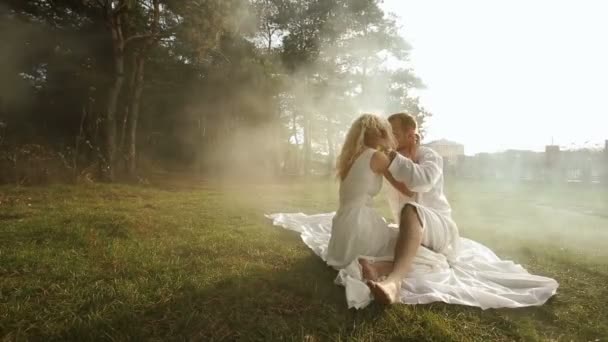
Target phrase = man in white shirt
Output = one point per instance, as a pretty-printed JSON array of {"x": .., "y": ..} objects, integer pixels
[
  {"x": 398, "y": 193},
  {"x": 424, "y": 219}
]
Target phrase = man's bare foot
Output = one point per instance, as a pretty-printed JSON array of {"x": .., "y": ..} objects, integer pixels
[
  {"x": 367, "y": 270},
  {"x": 385, "y": 292}
]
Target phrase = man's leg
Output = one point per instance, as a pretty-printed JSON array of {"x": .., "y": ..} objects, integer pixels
[
  {"x": 408, "y": 242},
  {"x": 375, "y": 270}
]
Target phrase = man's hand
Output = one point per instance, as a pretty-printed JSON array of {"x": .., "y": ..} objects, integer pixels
[{"x": 389, "y": 153}]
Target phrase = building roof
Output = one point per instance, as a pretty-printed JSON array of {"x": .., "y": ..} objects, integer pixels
[{"x": 443, "y": 142}]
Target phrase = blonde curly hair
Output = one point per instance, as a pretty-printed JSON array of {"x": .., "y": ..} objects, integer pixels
[{"x": 364, "y": 131}]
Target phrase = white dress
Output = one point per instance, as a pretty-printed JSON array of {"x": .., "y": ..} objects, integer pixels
[{"x": 357, "y": 228}]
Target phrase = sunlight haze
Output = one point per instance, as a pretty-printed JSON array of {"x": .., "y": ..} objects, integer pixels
[{"x": 510, "y": 75}]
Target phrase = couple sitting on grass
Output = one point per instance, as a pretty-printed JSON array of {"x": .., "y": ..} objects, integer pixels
[
  {"x": 422, "y": 259},
  {"x": 377, "y": 148}
]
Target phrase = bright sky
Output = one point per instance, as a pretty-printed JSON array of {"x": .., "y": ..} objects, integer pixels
[{"x": 510, "y": 74}]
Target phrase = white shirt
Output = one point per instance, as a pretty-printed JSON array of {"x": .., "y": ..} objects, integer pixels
[{"x": 425, "y": 178}]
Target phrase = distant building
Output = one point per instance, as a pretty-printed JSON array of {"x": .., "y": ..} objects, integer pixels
[
  {"x": 552, "y": 155},
  {"x": 451, "y": 151},
  {"x": 605, "y": 166}
]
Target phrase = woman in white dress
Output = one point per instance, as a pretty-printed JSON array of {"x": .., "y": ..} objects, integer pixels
[{"x": 357, "y": 228}]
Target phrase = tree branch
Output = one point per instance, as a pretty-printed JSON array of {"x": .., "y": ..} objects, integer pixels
[
  {"x": 154, "y": 27},
  {"x": 121, "y": 37},
  {"x": 138, "y": 36},
  {"x": 101, "y": 4},
  {"x": 123, "y": 7}
]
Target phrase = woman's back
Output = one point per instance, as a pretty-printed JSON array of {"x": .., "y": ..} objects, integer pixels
[
  {"x": 361, "y": 184},
  {"x": 357, "y": 228}
]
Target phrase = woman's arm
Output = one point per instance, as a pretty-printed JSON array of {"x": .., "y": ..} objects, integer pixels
[
  {"x": 379, "y": 165},
  {"x": 401, "y": 187},
  {"x": 379, "y": 162}
]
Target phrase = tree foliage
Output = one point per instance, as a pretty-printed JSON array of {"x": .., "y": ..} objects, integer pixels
[{"x": 197, "y": 83}]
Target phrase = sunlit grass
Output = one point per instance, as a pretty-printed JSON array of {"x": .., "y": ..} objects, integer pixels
[{"x": 197, "y": 260}]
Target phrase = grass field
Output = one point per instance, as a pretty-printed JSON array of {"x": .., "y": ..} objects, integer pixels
[{"x": 197, "y": 260}]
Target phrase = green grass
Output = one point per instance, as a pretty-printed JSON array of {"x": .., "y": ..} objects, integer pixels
[{"x": 195, "y": 260}]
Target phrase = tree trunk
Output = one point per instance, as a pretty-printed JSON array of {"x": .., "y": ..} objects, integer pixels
[
  {"x": 269, "y": 47},
  {"x": 331, "y": 156},
  {"x": 202, "y": 136},
  {"x": 294, "y": 132},
  {"x": 129, "y": 105},
  {"x": 307, "y": 133},
  {"x": 79, "y": 139},
  {"x": 119, "y": 65},
  {"x": 276, "y": 145},
  {"x": 136, "y": 87},
  {"x": 111, "y": 126},
  {"x": 307, "y": 143},
  {"x": 139, "y": 85}
]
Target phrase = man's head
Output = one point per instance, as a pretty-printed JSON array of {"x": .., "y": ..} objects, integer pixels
[{"x": 405, "y": 129}]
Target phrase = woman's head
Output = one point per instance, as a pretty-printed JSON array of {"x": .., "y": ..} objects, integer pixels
[{"x": 368, "y": 131}]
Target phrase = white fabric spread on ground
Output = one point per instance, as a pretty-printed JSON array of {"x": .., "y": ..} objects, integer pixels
[{"x": 476, "y": 276}]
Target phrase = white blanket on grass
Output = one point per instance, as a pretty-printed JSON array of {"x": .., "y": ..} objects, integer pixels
[{"x": 476, "y": 276}]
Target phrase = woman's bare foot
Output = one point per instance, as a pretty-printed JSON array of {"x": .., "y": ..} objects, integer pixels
[
  {"x": 367, "y": 270},
  {"x": 385, "y": 292}
]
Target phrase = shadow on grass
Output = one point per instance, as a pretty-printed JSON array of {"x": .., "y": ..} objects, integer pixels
[
  {"x": 298, "y": 300},
  {"x": 257, "y": 304},
  {"x": 8, "y": 217},
  {"x": 295, "y": 298}
]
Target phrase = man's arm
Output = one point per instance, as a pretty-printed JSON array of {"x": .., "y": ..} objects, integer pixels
[
  {"x": 401, "y": 187},
  {"x": 419, "y": 177}
]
